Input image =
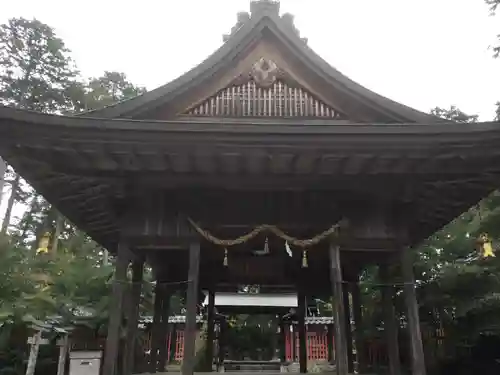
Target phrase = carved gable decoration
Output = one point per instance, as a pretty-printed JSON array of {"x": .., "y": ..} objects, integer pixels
[
  {"x": 264, "y": 72},
  {"x": 266, "y": 91}
]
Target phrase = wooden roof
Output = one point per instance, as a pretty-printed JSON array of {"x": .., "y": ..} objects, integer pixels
[
  {"x": 263, "y": 33},
  {"x": 341, "y": 138},
  {"x": 87, "y": 165}
]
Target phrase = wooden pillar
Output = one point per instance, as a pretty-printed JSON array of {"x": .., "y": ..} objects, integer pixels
[
  {"x": 133, "y": 316},
  {"x": 115, "y": 313},
  {"x": 275, "y": 341},
  {"x": 302, "y": 331},
  {"x": 339, "y": 317},
  {"x": 156, "y": 328},
  {"x": 390, "y": 324},
  {"x": 417, "y": 350},
  {"x": 283, "y": 332},
  {"x": 293, "y": 341},
  {"x": 348, "y": 329},
  {"x": 165, "y": 313},
  {"x": 361, "y": 356},
  {"x": 209, "y": 348},
  {"x": 222, "y": 343},
  {"x": 329, "y": 343},
  {"x": 191, "y": 307}
]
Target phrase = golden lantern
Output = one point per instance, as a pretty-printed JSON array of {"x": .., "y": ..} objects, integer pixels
[
  {"x": 43, "y": 244},
  {"x": 485, "y": 247}
]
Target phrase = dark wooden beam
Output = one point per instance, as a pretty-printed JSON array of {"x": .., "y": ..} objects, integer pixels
[
  {"x": 191, "y": 309},
  {"x": 339, "y": 316},
  {"x": 348, "y": 328},
  {"x": 156, "y": 338},
  {"x": 330, "y": 343},
  {"x": 361, "y": 354},
  {"x": 223, "y": 327},
  {"x": 282, "y": 342},
  {"x": 116, "y": 308},
  {"x": 165, "y": 313},
  {"x": 209, "y": 349},
  {"x": 132, "y": 316},
  {"x": 391, "y": 327},
  {"x": 417, "y": 350}
]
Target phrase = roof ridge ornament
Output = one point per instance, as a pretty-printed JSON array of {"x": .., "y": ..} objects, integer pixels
[
  {"x": 289, "y": 22},
  {"x": 241, "y": 19},
  {"x": 272, "y": 7},
  {"x": 258, "y": 8}
]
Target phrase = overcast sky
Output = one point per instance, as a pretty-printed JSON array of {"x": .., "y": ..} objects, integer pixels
[{"x": 422, "y": 53}]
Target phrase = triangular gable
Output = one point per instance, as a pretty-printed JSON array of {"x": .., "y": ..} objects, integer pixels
[
  {"x": 356, "y": 101},
  {"x": 265, "y": 91}
]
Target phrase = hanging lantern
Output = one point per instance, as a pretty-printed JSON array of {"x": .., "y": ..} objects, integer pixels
[
  {"x": 484, "y": 246},
  {"x": 225, "y": 262},
  {"x": 304, "y": 259},
  {"x": 43, "y": 244}
]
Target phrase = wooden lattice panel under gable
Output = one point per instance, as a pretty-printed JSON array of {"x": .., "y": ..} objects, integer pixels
[{"x": 264, "y": 92}]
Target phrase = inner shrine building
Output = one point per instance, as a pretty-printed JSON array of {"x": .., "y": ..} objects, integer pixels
[{"x": 263, "y": 165}]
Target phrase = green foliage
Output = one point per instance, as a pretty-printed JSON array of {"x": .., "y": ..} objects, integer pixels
[
  {"x": 109, "y": 89},
  {"x": 458, "y": 290},
  {"x": 35, "y": 69},
  {"x": 251, "y": 336},
  {"x": 99, "y": 92},
  {"x": 36, "y": 287},
  {"x": 454, "y": 114},
  {"x": 493, "y": 5},
  {"x": 70, "y": 286}
]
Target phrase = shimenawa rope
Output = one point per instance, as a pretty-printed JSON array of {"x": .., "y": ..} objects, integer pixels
[{"x": 302, "y": 243}]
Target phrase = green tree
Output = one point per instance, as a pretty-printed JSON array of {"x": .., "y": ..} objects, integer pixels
[
  {"x": 99, "y": 92},
  {"x": 454, "y": 114},
  {"x": 109, "y": 89},
  {"x": 36, "y": 73},
  {"x": 458, "y": 290},
  {"x": 35, "y": 68}
]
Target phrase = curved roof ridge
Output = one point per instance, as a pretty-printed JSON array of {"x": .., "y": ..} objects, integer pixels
[
  {"x": 370, "y": 94},
  {"x": 265, "y": 13},
  {"x": 217, "y": 57}
]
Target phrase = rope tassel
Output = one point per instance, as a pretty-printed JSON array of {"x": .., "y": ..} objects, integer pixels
[
  {"x": 266, "y": 246},
  {"x": 304, "y": 259},
  {"x": 225, "y": 262}
]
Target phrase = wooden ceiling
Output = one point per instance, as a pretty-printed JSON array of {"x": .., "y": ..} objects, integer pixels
[
  {"x": 264, "y": 113},
  {"x": 93, "y": 168}
]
